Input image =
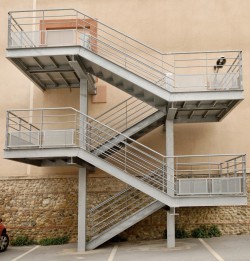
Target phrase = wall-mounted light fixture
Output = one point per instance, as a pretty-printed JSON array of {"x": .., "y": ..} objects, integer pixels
[{"x": 220, "y": 63}]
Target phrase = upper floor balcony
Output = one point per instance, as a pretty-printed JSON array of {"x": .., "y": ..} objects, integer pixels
[
  {"x": 176, "y": 72},
  {"x": 56, "y": 48}
]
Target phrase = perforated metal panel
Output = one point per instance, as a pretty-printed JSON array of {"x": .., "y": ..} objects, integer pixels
[
  {"x": 226, "y": 185},
  {"x": 193, "y": 186},
  {"x": 58, "y": 138},
  {"x": 23, "y": 138}
]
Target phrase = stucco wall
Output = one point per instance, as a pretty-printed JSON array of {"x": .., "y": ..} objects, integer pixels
[
  {"x": 166, "y": 25},
  {"x": 39, "y": 203}
]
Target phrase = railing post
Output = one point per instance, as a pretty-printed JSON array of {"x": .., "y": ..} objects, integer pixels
[
  {"x": 227, "y": 169},
  {"x": 244, "y": 190},
  {"x": 240, "y": 70},
  {"x": 206, "y": 84},
  {"x": 163, "y": 174},
  {"x": 41, "y": 130},
  {"x": 126, "y": 114},
  {"x": 76, "y": 27},
  {"x": 209, "y": 164},
  {"x": 9, "y": 30},
  {"x": 125, "y": 53},
  {"x": 220, "y": 170},
  {"x": 7, "y": 131},
  {"x": 174, "y": 74},
  {"x": 235, "y": 167},
  {"x": 43, "y": 23}
]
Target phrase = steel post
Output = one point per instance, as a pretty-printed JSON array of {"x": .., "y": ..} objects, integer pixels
[
  {"x": 82, "y": 188},
  {"x": 82, "y": 182},
  {"x": 171, "y": 228},
  {"x": 170, "y": 154}
]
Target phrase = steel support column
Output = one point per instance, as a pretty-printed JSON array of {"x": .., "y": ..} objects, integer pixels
[
  {"x": 171, "y": 228},
  {"x": 170, "y": 154},
  {"x": 82, "y": 174},
  {"x": 82, "y": 188},
  {"x": 170, "y": 181}
]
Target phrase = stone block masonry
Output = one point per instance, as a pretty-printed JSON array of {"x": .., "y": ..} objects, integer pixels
[{"x": 46, "y": 207}]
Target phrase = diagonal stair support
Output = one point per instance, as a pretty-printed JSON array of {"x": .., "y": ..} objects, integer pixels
[
  {"x": 180, "y": 201},
  {"x": 126, "y": 178},
  {"x": 134, "y": 84},
  {"x": 124, "y": 224},
  {"x": 90, "y": 60},
  {"x": 134, "y": 132}
]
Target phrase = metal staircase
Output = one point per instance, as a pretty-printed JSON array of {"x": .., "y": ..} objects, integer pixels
[
  {"x": 133, "y": 118},
  {"x": 182, "y": 87},
  {"x": 118, "y": 213},
  {"x": 65, "y": 134}
]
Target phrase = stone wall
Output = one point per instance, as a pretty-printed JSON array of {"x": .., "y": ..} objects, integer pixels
[
  {"x": 39, "y": 207},
  {"x": 47, "y": 207}
]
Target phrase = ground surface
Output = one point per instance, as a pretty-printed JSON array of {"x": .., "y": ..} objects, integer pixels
[{"x": 228, "y": 248}]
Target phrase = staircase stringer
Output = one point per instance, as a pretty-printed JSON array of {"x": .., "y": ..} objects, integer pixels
[
  {"x": 124, "y": 224},
  {"x": 126, "y": 178}
]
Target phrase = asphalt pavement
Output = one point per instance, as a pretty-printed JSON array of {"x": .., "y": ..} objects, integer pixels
[{"x": 225, "y": 248}]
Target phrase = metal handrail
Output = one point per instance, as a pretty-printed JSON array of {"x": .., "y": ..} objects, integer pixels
[
  {"x": 72, "y": 9},
  {"x": 125, "y": 114},
  {"x": 87, "y": 116},
  {"x": 167, "y": 70},
  {"x": 135, "y": 158},
  {"x": 121, "y": 205},
  {"x": 119, "y": 150}
]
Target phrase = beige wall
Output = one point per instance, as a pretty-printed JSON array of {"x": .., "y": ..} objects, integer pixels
[{"x": 167, "y": 25}]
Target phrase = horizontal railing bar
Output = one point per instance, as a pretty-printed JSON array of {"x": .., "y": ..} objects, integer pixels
[
  {"x": 136, "y": 170},
  {"x": 237, "y": 157},
  {"x": 127, "y": 62},
  {"x": 112, "y": 200},
  {"x": 204, "y": 155},
  {"x": 133, "y": 154},
  {"x": 113, "y": 108},
  {"x": 224, "y": 178},
  {"x": 127, "y": 55},
  {"x": 128, "y": 44},
  {"x": 113, "y": 209},
  {"x": 125, "y": 117},
  {"x": 198, "y": 163},
  {"x": 21, "y": 119},
  {"x": 123, "y": 192},
  {"x": 207, "y": 59},
  {"x": 201, "y": 52},
  {"x": 198, "y": 170},
  {"x": 114, "y": 214}
]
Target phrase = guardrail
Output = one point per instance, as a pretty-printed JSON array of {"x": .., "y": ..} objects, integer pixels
[
  {"x": 126, "y": 114},
  {"x": 67, "y": 127},
  {"x": 116, "y": 208},
  {"x": 207, "y": 71},
  {"x": 210, "y": 174}
]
